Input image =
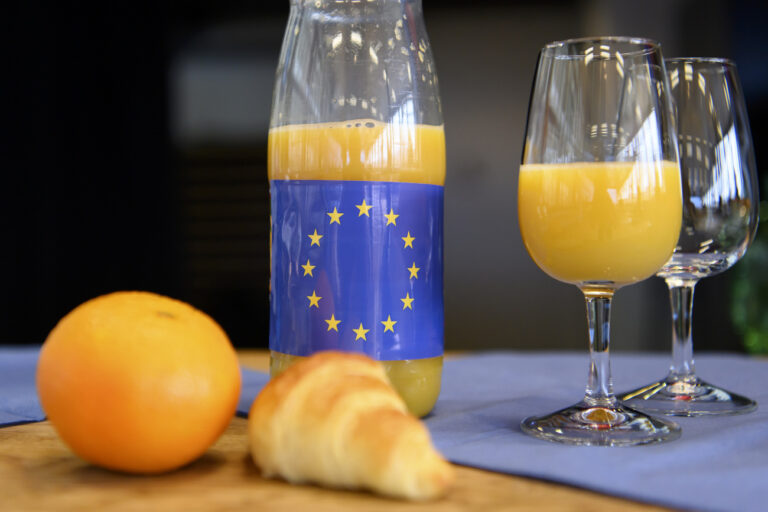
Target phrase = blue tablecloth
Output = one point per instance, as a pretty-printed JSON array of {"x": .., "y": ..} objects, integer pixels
[
  {"x": 718, "y": 464},
  {"x": 18, "y": 395}
]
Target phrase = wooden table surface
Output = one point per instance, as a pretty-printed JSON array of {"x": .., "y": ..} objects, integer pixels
[{"x": 38, "y": 472}]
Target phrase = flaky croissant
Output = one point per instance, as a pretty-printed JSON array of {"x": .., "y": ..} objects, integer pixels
[{"x": 333, "y": 419}]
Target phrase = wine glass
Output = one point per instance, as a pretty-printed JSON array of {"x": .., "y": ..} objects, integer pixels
[
  {"x": 599, "y": 203},
  {"x": 720, "y": 210}
]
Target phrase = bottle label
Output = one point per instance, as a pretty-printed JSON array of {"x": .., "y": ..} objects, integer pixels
[{"x": 357, "y": 266}]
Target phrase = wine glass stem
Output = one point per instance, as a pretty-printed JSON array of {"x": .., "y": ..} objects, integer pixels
[
  {"x": 681, "y": 300},
  {"x": 599, "y": 385}
]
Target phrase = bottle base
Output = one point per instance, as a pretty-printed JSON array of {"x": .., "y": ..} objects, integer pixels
[{"x": 417, "y": 381}]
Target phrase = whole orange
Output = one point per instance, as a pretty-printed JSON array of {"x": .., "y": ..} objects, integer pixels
[{"x": 138, "y": 382}]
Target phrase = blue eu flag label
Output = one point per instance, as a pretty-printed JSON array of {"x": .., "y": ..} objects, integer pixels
[{"x": 357, "y": 266}]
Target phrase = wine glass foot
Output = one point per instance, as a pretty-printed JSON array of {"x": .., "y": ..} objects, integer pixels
[
  {"x": 600, "y": 425},
  {"x": 687, "y": 398}
]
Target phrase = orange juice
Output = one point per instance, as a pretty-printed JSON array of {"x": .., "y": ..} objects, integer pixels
[
  {"x": 357, "y": 230},
  {"x": 361, "y": 150},
  {"x": 612, "y": 223}
]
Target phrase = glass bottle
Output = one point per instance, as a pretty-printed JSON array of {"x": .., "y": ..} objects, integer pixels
[{"x": 356, "y": 170}]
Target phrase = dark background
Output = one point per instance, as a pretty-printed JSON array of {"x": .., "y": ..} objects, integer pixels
[{"x": 136, "y": 159}]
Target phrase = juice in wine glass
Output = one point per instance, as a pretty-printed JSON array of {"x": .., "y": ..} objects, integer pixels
[
  {"x": 611, "y": 223},
  {"x": 357, "y": 230}
]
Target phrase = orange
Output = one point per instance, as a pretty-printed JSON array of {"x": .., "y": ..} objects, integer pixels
[{"x": 138, "y": 382}]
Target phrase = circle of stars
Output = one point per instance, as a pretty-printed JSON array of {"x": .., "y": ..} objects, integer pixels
[{"x": 333, "y": 323}]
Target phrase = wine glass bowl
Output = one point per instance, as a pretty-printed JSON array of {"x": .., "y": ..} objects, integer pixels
[
  {"x": 720, "y": 208},
  {"x": 599, "y": 205}
]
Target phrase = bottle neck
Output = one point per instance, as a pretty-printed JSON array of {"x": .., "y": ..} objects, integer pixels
[
  {"x": 356, "y": 59},
  {"x": 326, "y": 5}
]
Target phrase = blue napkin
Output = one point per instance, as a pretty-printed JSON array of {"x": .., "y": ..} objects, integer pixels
[
  {"x": 718, "y": 464},
  {"x": 18, "y": 396},
  {"x": 252, "y": 383}
]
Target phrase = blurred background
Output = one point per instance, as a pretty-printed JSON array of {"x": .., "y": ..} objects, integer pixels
[{"x": 137, "y": 160}]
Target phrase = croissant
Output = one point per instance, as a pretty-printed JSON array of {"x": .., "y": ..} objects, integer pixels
[{"x": 333, "y": 419}]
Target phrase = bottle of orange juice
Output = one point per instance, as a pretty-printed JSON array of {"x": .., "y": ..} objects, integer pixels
[{"x": 356, "y": 170}]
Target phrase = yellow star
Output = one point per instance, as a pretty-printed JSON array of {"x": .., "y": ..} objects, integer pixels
[
  {"x": 335, "y": 216},
  {"x": 360, "y": 332},
  {"x": 333, "y": 323},
  {"x": 414, "y": 270},
  {"x": 391, "y": 216},
  {"x": 407, "y": 301},
  {"x": 408, "y": 239},
  {"x": 363, "y": 209},
  {"x": 308, "y": 268},
  {"x": 314, "y": 299},
  {"x": 388, "y": 324},
  {"x": 315, "y": 239}
]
